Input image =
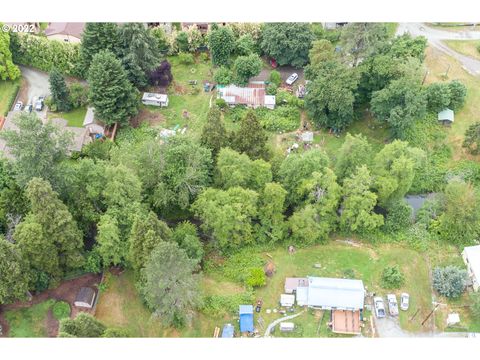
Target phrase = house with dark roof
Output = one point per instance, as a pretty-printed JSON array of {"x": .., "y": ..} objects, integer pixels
[{"x": 85, "y": 298}]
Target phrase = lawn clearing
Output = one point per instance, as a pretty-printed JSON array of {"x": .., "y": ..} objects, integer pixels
[
  {"x": 438, "y": 63},
  {"x": 29, "y": 322},
  {"x": 465, "y": 47},
  {"x": 74, "y": 118},
  {"x": 7, "y": 90}
]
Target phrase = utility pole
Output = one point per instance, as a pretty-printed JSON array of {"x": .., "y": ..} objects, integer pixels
[
  {"x": 425, "y": 77},
  {"x": 430, "y": 314}
]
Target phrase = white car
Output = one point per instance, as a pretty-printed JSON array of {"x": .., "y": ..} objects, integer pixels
[
  {"x": 18, "y": 106},
  {"x": 292, "y": 78},
  {"x": 379, "y": 307},
  {"x": 392, "y": 304},
  {"x": 404, "y": 301}
]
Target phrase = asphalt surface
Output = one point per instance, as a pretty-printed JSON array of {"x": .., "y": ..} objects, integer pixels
[
  {"x": 38, "y": 85},
  {"x": 436, "y": 37}
]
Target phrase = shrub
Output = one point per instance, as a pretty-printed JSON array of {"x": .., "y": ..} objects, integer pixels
[
  {"x": 256, "y": 277},
  {"x": 272, "y": 89},
  {"x": 238, "y": 267},
  {"x": 186, "y": 58},
  {"x": 221, "y": 104},
  {"x": 283, "y": 118},
  {"x": 93, "y": 262},
  {"x": 458, "y": 93},
  {"x": 392, "y": 277},
  {"x": 245, "y": 45},
  {"x": 12, "y": 98},
  {"x": 84, "y": 326},
  {"x": 399, "y": 217},
  {"x": 449, "y": 281},
  {"x": 475, "y": 305},
  {"x": 223, "y": 76},
  {"x": 98, "y": 149},
  {"x": 116, "y": 333},
  {"x": 204, "y": 57},
  {"x": 418, "y": 237},
  {"x": 78, "y": 95},
  {"x": 283, "y": 97},
  {"x": 182, "y": 41},
  {"x": 223, "y": 304},
  {"x": 61, "y": 310},
  {"x": 275, "y": 78}
]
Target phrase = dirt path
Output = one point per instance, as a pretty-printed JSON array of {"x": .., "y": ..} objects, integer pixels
[{"x": 278, "y": 321}]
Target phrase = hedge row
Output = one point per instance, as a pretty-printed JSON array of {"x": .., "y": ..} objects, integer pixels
[
  {"x": 44, "y": 54},
  {"x": 13, "y": 96}
]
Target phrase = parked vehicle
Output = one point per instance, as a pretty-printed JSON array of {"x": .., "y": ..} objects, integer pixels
[
  {"x": 259, "y": 306},
  {"x": 39, "y": 103},
  {"x": 379, "y": 306},
  {"x": 273, "y": 63},
  {"x": 292, "y": 78},
  {"x": 28, "y": 108},
  {"x": 392, "y": 304},
  {"x": 404, "y": 301},
  {"x": 18, "y": 106}
]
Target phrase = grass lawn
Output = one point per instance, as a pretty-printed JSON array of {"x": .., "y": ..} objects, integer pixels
[
  {"x": 454, "y": 26},
  {"x": 29, "y": 322},
  {"x": 7, "y": 88},
  {"x": 465, "y": 47},
  {"x": 437, "y": 63},
  {"x": 74, "y": 118},
  {"x": 391, "y": 28}
]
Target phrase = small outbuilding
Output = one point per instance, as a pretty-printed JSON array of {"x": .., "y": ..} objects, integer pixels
[
  {"x": 228, "y": 331},
  {"x": 246, "y": 318},
  {"x": 287, "y": 300},
  {"x": 287, "y": 326},
  {"x": 155, "y": 99},
  {"x": 85, "y": 298},
  {"x": 471, "y": 257},
  {"x": 446, "y": 116},
  {"x": 307, "y": 136},
  {"x": 291, "y": 284}
]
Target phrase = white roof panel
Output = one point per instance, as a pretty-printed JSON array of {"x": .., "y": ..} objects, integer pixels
[
  {"x": 336, "y": 293},
  {"x": 472, "y": 253}
]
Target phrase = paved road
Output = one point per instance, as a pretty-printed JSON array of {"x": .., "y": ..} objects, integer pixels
[{"x": 435, "y": 38}]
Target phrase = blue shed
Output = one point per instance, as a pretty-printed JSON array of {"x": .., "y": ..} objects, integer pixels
[
  {"x": 227, "y": 331},
  {"x": 246, "y": 318}
]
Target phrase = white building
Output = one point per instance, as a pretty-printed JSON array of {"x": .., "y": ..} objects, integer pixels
[
  {"x": 155, "y": 99},
  {"x": 471, "y": 256}
]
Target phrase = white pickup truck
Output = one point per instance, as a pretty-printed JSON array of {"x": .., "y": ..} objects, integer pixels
[{"x": 392, "y": 305}]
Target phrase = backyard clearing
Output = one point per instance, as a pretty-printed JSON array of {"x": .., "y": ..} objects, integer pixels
[
  {"x": 16, "y": 315},
  {"x": 74, "y": 117}
]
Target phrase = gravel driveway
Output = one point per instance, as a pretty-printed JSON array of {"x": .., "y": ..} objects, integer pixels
[
  {"x": 37, "y": 85},
  {"x": 436, "y": 37}
]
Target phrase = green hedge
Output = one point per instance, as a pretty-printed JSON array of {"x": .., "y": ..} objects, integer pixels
[
  {"x": 44, "y": 54},
  {"x": 13, "y": 96}
]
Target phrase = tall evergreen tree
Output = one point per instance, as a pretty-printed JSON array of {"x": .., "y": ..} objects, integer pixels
[
  {"x": 8, "y": 70},
  {"x": 113, "y": 96},
  {"x": 13, "y": 272},
  {"x": 214, "y": 133},
  {"x": 251, "y": 138},
  {"x": 59, "y": 91}
]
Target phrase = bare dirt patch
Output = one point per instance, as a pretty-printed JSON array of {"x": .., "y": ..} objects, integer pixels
[{"x": 149, "y": 117}]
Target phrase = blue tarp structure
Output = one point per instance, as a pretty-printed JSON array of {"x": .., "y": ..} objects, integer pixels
[
  {"x": 227, "y": 331},
  {"x": 246, "y": 318}
]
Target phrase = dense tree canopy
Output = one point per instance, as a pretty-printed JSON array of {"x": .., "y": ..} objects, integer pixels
[
  {"x": 13, "y": 272},
  {"x": 251, "y": 138},
  {"x": 287, "y": 43},
  {"x": 221, "y": 43},
  {"x": 246, "y": 67},
  {"x": 8, "y": 70},
  {"x": 59, "y": 91},
  {"x": 214, "y": 133},
  {"x": 354, "y": 152}
]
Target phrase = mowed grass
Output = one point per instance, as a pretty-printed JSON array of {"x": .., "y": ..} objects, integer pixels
[
  {"x": 120, "y": 305},
  {"x": 465, "y": 47},
  {"x": 184, "y": 98},
  {"x": 74, "y": 118},
  {"x": 437, "y": 64},
  {"x": 7, "y": 89},
  {"x": 29, "y": 322}
]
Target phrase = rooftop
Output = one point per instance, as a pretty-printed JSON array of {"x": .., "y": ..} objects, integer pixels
[
  {"x": 65, "y": 28},
  {"x": 336, "y": 293},
  {"x": 472, "y": 253}
]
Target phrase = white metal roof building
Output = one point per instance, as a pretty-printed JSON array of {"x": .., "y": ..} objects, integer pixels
[
  {"x": 446, "y": 116},
  {"x": 332, "y": 293},
  {"x": 471, "y": 256},
  {"x": 155, "y": 99}
]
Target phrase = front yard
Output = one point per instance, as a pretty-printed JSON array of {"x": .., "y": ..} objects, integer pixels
[{"x": 74, "y": 118}]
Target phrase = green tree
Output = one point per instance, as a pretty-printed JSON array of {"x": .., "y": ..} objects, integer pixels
[
  {"x": 394, "y": 170},
  {"x": 438, "y": 96},
  {"x": 37, "y": 148},
  {"x": 8, "y": 70},
  {"x": 360, "y": 40},
  {"x": 307, "y": 228},
  {"x": 399, "y": 217},
  {"x": 245, "y": 45},
  {"x": 251, "y": 138},
  {"x": 235, "y": 169},
  {"x": 111, "y": 94},
  {"x": 392, "y": 277},
  {"x": 272, "y": 227},
  {"x": 322, "y": 50},
  {"x": 331, "y": 94},
  {"x": 275, "y": 78},
  {"x": 458, "y": 92},
  {"x": 227, "y": 216},
  {"x": 475, "y": 305},
  {"x": 83, "y": 326},
  {"x": 354, "y": 152},
  {"x": 161, "y": 37},
  {"x": 287, "y": 43},
  {"x": 214, "y": 133},
  {"x": 223, "y": 76},
  {"x": 459, "y": 223},
  {"x": 147, "y": 232},
  {"x": 472, "y": 139},
  {"x": 358, "y": 203},
  {"x": 449, "y": 281},
  {"x": 246, "y": 67},
  {"x": 13, "y": 272},
  {"x": 406, "y": 46},
  {"x": 110, "y": 247},
  {"x": 399, "y": 104},
  {"x": 295, "y": 168},
  {"x": 186, "y": 236},
  {"x": 60, "y": 92},
  {"x": 97, "y": 37},
  {"x": 169, "y": 286},
  {"x": 139, "y": 52},
  {"x": 221, "y": 43}
]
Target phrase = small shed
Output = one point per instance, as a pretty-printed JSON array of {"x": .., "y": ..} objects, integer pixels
[
  {"x": 246, "y": 318},
  {"x": 287, "y": 326},
  {"x": 307, "y": 136},
  {"x": 270, "y": 101},
  {"x": 228, "y": 331},
  {"x": 155, "y": 99},
  {"x": 446, "y": 116},
  {"x": 85, "y": 298},
  {"x": 291, "y": 284},
  {"x": 453, "y": 319},
  {"x": 287, "y": 300}
]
